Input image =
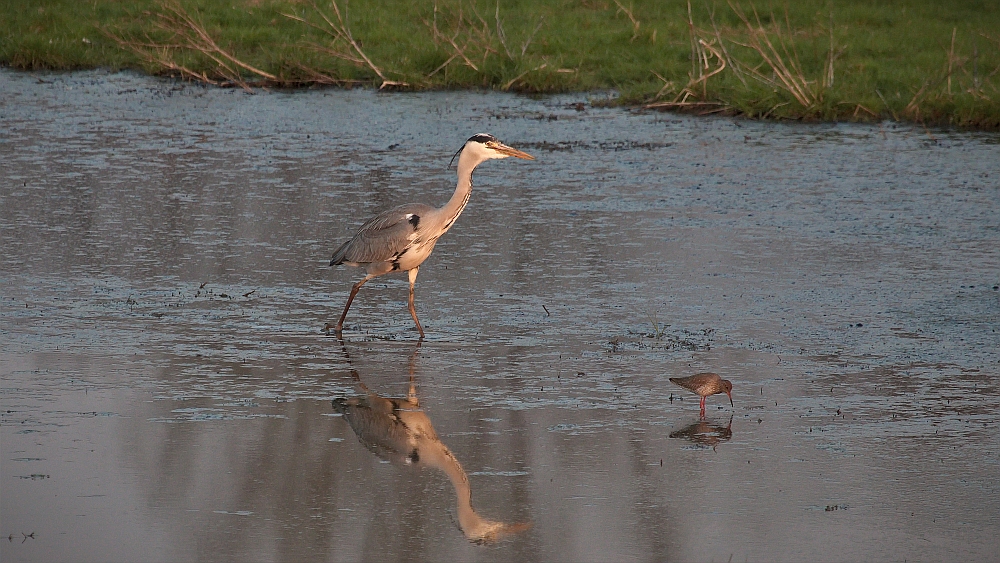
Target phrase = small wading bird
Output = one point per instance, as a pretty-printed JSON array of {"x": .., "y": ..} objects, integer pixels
[
  {"x": 705, "y": 384},
  {"x": 400, "y": 239}
]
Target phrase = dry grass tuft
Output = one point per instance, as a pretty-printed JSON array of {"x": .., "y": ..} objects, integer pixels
[
  {"x": 187, "y": 33},
  {"x": 469, "y": 38},
  {"x": 341, "y": 46},
  {"x": 785, "y": 67},
  {"x": 707, "y": 59}
]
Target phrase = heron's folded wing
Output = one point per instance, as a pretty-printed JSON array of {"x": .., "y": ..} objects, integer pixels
[{"x": 383, "y": 237}]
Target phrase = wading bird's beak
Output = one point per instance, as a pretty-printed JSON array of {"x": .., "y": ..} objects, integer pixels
[
  {"x": 730, "y": 399},
  {"x": 511, "y": 151}
]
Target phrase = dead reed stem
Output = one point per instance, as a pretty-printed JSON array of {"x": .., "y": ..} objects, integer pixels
[
  {"x": 502, "y": 35},
  {"x": 342, "y": 45},
  {"x": 635, "y": 22},
  {"x": 522, "y": 75},
  {"x": 472, "y": 40},
  {"x": 722, "y": 45},
  {"x": 187, "y": 33},
  {"x": 788, "y": 74},
  {"x": 702, "y": 55},
  {"x": 450, "y": 40},
  {"x": 951, "y": 57}
]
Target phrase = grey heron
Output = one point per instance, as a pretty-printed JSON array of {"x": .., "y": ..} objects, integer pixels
[{"x": 401, "y": 238}]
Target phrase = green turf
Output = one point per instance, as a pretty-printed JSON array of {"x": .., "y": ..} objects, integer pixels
[{"x": 893, "y": 57}]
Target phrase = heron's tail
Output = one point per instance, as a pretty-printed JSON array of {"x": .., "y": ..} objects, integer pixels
[{"x": 339, "y": 255}]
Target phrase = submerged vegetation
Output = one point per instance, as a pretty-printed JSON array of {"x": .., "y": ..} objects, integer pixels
[{"x": 919, "y": 60}]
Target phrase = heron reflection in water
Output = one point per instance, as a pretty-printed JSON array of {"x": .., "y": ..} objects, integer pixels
[
  {"x": 706, "y": 433},
  {"x": 399, "y": 431}
]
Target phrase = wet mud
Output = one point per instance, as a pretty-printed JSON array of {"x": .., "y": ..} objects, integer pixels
[{"x": 168, "y": 392}]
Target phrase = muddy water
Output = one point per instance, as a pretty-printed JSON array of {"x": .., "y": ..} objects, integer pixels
[{"x": 168, "y": 394}]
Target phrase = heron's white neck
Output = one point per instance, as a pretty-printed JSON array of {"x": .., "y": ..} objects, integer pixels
[
  {"x": 474, "y": 526},
  {"x": 467, "y": 162}
]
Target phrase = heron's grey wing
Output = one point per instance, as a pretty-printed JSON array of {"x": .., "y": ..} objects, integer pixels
[
  {"x": 383, "y": 237},
  {"x": 375, "y": 421}
]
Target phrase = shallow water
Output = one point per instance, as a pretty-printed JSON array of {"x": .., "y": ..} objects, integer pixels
[{"x": 168, "y": 394}]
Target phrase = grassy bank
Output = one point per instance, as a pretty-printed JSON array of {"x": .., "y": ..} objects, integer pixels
[{"x": 919, "y": 60}]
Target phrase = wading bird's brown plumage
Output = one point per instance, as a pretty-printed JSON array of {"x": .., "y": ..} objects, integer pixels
[
  {"x": 401, "y": 238},
  {"x": 705, "y": 384}
]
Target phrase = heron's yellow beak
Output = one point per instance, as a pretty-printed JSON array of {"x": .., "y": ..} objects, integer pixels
[{"x": 510, "y": 151}]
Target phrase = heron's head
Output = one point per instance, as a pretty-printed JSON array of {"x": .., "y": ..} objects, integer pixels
[
  {"x": 484, "y": 147},
  {"x": 727, "y": 386}
]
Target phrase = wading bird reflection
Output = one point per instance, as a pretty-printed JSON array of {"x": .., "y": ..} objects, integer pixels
[
  {"x": 397, "y": 430},
  {"x": 401, "y": 238},
  {"x": 705, "y": 432},
  {"x": 704, "y": 385}
]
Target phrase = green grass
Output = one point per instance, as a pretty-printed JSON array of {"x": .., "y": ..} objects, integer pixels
[{"x": 895, "y": 59}]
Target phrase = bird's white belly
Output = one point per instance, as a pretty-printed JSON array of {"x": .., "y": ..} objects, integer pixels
[{"x": 416, "y": 254}]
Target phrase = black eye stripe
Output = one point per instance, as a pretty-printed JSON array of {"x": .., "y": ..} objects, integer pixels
[{"x": 483, "y": 138}]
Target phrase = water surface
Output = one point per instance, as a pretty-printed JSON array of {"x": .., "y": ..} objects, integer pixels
[{"x": 168, "y": 393}]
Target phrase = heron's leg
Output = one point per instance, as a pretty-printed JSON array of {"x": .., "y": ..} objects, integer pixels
[
  {"x": 354, "y": 291},
  {"x": 412, "y": 396},
  {"x": 413, "y": 310}
]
